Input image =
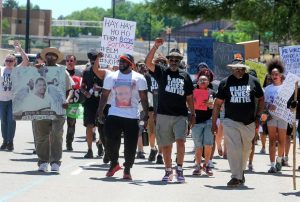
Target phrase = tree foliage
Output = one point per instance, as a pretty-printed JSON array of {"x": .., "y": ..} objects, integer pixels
[
  {"x": 138, "y": 12},
  {"x": 281, "y": 18},
  {"x": 10, "y": 4}
]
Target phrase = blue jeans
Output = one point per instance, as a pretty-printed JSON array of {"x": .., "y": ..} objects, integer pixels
[{"x": 8, "y": 125}]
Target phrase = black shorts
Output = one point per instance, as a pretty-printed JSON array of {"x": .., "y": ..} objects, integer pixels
[
  {"x": 289, "y": 130},
  {"x": 90, "y": 112}
]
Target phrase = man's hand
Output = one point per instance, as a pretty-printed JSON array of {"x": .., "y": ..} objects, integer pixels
[
  {"x": 17, "y": 46},
  {"x": 158, "y": 42},
  {"x": 192, "y": 121},
  {"x": 214, "y": 128},
  {"x": 65, "y": 105},
  {"x": 100, "y": 55}
]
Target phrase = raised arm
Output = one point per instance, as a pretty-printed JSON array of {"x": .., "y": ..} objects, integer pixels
[
  {"x": 158, "y": 42},
  {"x": 100, "y": 73},
  {"x": 18, "y": 48}
]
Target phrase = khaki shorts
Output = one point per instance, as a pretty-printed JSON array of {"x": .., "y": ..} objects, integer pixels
[
  {"x": 151, "y": 124},
  {"x": 170, "y": 128}
]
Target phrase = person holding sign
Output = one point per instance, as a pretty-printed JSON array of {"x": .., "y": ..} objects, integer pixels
[
  {"x": 123, "y": 117},
  {"x": 8, "y": 125},
  {"x": 276, "y": 125},
  {"x": 175, "y": 93},
  {"x": 201, "y": 132},
  {"x": 49, "y": 133},
  {"x": 238, "y": 91}
]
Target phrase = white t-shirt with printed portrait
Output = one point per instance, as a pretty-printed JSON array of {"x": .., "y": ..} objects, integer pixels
[{"x": 125, "y": 93}]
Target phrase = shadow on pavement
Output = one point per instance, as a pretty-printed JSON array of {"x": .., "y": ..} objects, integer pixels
[
  {"x": 135, "y": 182},
  {"x": 291, "y": 194},
  {"x": 229, "y": 188},
  {"x": 25, "y": 160},
  {"x": 25, "y": 153},
  {"x": 31, "y": 173}
]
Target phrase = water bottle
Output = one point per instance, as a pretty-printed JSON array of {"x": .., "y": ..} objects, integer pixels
[
  {"x": 145, "y": 137},
  {"x": 210, "y": 100}
]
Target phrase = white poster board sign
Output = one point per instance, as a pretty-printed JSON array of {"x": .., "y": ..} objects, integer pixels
[
  {"x": 290, "y": 55},
  {"x": 38, "y": 93},
  {"x": 284, "y": 94},
  {"x": 117, "y": 38}
]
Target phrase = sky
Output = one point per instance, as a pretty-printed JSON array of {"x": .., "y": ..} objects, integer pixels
[{"x": 66, "y": 7}]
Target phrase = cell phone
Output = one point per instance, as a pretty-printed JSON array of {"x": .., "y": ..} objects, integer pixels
[{"x": 10, "y": 42}]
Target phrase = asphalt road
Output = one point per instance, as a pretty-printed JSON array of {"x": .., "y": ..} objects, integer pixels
[{"x": 84, "y": 179}]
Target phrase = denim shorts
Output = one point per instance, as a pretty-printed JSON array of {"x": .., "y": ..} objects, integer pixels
[
  {"x": 202, "y": 135},
  {"x": 277, "y": 122}
]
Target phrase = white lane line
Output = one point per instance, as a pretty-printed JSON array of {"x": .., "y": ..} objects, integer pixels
[{"x": 79, "y": 170}]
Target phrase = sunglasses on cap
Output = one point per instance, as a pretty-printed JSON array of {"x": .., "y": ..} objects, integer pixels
[
  {"x": 174, "y": 60},
  {"x": 9, "y": 61}
]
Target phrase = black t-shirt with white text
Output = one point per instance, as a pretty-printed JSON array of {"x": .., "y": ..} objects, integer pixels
[
  {"x": 239, "y": 96},
  {"x": 173, "y": 88}
]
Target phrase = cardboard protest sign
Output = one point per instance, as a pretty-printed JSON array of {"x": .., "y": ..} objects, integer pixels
[
  {"x": 117, "y": 38},
  {"x": 200, "y": 96},
  {"x": 284, "y": 94},
  {"x": 199, "y": 50},
  {"x": 223, "y": 55},
  {"x": 290, "y": 55},
  {"x": 38, "y": 93}
]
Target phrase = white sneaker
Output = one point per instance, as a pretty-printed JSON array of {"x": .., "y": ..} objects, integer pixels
[
  {"x": 210, "y": 164},
  {"x": 43, "y": 167},
  {"x": 55, "y": 167}
]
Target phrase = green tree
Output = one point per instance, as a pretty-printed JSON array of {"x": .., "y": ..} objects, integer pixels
[
  {"x": 33, "y": 7},
  {"x": 10, "y": 4},
  {"x": 281, "y": 18}
]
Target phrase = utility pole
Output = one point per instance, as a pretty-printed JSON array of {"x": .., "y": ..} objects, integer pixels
[
  {"x": 114, "y": 8},
  {"x": 27, "y": 27}
]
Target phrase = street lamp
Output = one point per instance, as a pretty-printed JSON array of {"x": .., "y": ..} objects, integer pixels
[
  {"x": 168, "y": 32},
  {"x": 114, "y": 8},
  {"x": 27, "y": 27}
]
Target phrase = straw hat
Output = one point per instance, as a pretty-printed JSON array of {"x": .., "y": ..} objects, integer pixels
[{"x": 54, "y": 50}]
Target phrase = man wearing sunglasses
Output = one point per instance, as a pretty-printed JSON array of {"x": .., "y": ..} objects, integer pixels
[
  {"x": 238, "y": 92},
  {"x": 76, "y": 75},
  {"x": 175, "y": 93}
]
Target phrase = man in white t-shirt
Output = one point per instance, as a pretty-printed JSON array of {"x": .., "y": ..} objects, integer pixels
[{"x": 127, "y": 88}]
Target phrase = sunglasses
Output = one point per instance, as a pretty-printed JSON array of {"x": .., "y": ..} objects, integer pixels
[
  {"x": 69, "y": 60},
  {"x": 9, "y": 60},
  {"x": 174, "y": 60}
]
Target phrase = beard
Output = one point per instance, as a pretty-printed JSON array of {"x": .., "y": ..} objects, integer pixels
[{"x": 123, "y": 68}]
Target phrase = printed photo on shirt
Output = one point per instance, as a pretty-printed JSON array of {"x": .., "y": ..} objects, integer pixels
[{"x": 123, "y": 91}]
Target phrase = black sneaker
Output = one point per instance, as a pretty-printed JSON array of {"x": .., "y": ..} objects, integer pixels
[
  {"x": 140, "y": 155},
  {"x": 159, "y": 159},
  {"x": 69, "y": 147},
  {"x": 89, "y": 154},
  {"x": 3, "y": 146},
  {"x": 152, "y": 155},
  {"x": 10, "y": 146},
  {"x": 243, "y": 179},
  {"x": 100, "y": 150},
  {"x": 34, "y": 151},
  {"x": 234, "y": 182}
]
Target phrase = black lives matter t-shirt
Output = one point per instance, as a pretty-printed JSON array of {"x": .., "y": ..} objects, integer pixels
[
  {"x": 173, "y": 87},
  {"x": 239, "y": 96}
]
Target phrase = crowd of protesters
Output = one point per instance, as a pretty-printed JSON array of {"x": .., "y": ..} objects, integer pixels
[{"x": 158, "y": 96}]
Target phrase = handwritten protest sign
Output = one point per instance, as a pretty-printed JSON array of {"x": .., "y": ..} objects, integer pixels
[
  {"x": 199, "y": 50},
  {"x": 38, "y": 93},
  {"x": 117, "y": 38},
  {"x": 284, "y": 94},
  {"x": 223, "y": 55},
  {"x": 290, "y": 55}
]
